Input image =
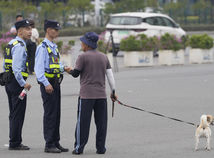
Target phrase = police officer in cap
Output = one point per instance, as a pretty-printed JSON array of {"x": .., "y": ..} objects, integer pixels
[
  {"x": 15, "y": 62},
  {"x": 48, "y": 72}
]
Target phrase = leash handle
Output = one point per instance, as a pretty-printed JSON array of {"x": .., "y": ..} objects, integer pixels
[{"x": 113, "y": 95}]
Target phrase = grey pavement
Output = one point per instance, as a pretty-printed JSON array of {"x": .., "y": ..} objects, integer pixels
[{"x": 184, "y": 92}]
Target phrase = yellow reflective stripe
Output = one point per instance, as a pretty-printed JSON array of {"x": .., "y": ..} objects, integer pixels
[
  {"x": 57, "y": 50},
  {"x": 51, "y": 75},
  {"x": 24, "y": 74},
  {"x": 8, "y": 61},
  {"x": 49, "y": 50},
  {"x": 8, "y": 51},
  {"x": 53, "y": 59},
  {"x": 16, "y": 42},
  {"x": 52, "y": 66}
]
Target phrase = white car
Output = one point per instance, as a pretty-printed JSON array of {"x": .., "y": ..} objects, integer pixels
[{"x": 133, "y": 23}]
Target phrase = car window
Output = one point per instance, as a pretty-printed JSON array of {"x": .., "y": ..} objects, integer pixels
[
  {"x": 168, "y": 22},
  {"x": 149, "y": 21},
  {"x": 125, "y": 20},
  {"x": 161, "y": 22},
  {"x": 158, "y": 21}
]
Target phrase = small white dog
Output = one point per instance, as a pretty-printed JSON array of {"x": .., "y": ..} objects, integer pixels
[{"x": 204, "y": 130}]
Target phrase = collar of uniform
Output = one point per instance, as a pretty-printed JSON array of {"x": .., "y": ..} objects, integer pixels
[
  {"x": 20, "y": 39},
  {"x": 49, "y": 43}
]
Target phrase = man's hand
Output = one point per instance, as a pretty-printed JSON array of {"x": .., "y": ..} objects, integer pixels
[
  {"x": 113, "y": 97},
  {"x": 68, "y": 69},
  {"x": 49, "y": 89},
  {"x": 27, "y": 86}
]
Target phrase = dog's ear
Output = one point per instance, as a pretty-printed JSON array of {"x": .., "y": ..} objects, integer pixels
[{"x": 209, "y": 118}]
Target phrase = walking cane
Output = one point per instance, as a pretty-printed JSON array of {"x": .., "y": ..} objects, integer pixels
[{"x": 113, "y": 93}]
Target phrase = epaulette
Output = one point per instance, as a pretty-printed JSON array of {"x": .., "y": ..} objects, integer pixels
[{"x": 17, "y": 42}]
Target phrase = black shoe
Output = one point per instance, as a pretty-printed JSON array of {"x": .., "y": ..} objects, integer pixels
[
  {"x": 74, "y": 152},
  {"x": 20, "y": 147},
  {"x": 100, "y": 152},
  {"x": 58, "y": 146},
  {"x": 52, "y": 150}
]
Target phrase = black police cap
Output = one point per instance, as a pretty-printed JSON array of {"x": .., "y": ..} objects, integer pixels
[
  {"x": 22, "y": 23},
  {"x": 51, "y": 24}
]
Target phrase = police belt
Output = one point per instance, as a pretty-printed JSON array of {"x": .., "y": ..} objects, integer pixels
[
  {"x": 7, "y": 77},
  {"x": 54, "y": 79}
]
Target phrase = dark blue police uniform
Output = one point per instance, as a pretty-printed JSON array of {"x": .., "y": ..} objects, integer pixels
[
  {"x": 15, "y": 62},
  {"x": 48, "y": 71}
]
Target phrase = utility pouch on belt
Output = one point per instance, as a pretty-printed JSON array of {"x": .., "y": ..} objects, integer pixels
[
  {"x": 6, "y": 77},
  {"x": 2, "y": 82},
  {"x": 56, "y": 80}
]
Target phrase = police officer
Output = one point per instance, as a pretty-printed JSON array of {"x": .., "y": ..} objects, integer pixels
[
  {"x": 48, "y": 72},
  {"x": 15, "y": 62},
  {"x": 92, "y": 66}
]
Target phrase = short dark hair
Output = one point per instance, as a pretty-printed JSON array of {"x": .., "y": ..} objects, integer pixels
[{"x": 19, "y": 15}]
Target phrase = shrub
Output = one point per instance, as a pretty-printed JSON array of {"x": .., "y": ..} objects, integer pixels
[
  {"x": 76, "y": 31},
  {"x": 201, "y": 41},
  {"x": 59, "y": 45},
  {"x": 104, "y": 47},
  {"x": 71, "y": 42},
  {"x": 130, "y": 44},
  {"x": 5, "y": 38},
  {"x": 139, "y": 43},
  {"x": 148, "y": 43},
  {"x": 170, "y": 42}
]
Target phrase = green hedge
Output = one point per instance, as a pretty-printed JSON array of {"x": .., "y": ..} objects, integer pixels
[
  {"x": 73, "y": 31},
  {"x": 198, "y": 27},
  {"x": 201, "y": 41}
]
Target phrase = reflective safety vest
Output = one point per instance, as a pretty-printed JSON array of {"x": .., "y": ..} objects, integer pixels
[
  {"x": 8, "y": 58},
  {"x": 53, "y": 63}
]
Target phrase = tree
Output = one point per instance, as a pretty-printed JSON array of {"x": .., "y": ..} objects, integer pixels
[
  {"x": 9, "y": 10},
  {"x": 80, "y": 7},
  {"x": 125, "y": 6}
]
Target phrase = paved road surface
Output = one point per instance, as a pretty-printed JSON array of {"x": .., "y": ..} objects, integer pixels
[{"x": 185, "y": 92}]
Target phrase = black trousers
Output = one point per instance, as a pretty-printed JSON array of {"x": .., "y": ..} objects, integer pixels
[
  {"x": 51, "y": 118},
  {"x": 17, "y": 109},
  {"x": 85, "y": 108},
  {"x": 31, "y": 48}
]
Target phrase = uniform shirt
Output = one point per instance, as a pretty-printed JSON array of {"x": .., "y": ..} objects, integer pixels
[
  {"x": 19, "y": 56},
  {"x": 92, "y": 66},
  {"x": 42, "y": 61}
]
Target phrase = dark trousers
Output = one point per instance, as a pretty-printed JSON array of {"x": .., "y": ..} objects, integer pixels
[
  {"x": 51, "y": 118},
  {"x": 31, "y": 48},
  {"x": 85, "y": 108},
  {"x": 17, "y": 109}
]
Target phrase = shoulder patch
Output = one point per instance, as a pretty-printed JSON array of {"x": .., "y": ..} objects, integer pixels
[{"x": 17, "y": 42}]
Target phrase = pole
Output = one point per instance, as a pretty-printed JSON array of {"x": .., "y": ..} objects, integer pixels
[
  {"x": 114, "y": 52},
  {"x": 0, "y": 21},
  {"x": 97, "y": 12}
]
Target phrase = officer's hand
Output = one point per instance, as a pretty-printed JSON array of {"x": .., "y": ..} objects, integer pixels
[
  {"x": 113, "y": 97},
  {"x": 49, "y": 89},
  {"x": 27, "y": 86},
  {"x": 68, "y": 69}
]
